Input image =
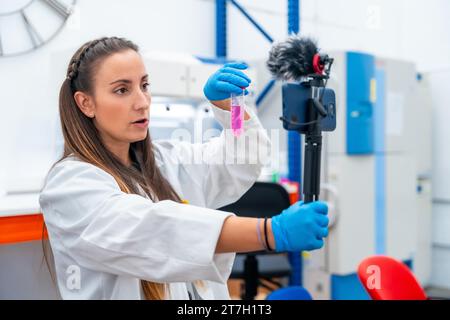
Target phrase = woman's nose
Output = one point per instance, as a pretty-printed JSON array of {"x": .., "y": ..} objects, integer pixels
[{"x": 142, "y": 100}]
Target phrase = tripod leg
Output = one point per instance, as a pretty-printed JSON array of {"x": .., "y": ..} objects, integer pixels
[
  {"x": 250, "y": 277},
  {"x": 311, "y": 171}
]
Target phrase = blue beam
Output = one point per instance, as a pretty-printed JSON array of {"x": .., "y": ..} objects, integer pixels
[
  {"x": 295, "y": 151},
  {"x": 264, "y": 92},
  {"x": 293, "y": 16},
  {"x": 221, "y": 28},
  {"x": 253, "y": 21}
]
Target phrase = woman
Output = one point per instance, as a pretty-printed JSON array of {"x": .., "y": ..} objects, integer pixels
[{"x": 113, "y": 204}]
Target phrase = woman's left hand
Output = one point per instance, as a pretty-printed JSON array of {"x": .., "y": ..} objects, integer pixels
[{"x": 225, "y": 81}]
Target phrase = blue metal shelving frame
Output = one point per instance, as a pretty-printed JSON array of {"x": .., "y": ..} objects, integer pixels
[{"x": 294, "y": 138}]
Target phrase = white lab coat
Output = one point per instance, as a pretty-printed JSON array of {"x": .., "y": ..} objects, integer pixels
[{"x": 104, "y": 241}]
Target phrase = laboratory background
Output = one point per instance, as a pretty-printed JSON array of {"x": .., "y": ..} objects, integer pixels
[{"x": 385, "y": 169}]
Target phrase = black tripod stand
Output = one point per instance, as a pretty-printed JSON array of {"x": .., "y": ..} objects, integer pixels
[
  {"x": 314, "y": 112},
  {"x": 313, "y": 141}
]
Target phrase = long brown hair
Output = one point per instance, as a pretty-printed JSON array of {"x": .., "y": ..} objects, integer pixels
[{"x": 82, "y": 140}]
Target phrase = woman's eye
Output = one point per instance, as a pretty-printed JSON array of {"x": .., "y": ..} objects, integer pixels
[
  {"x": 121, "y": 91},
  {"x": 146, "y": 86}
]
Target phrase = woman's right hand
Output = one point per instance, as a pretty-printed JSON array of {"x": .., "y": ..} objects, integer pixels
[
  {"x": 225, "y": 81},
  {"x": 301, "y": 227}
]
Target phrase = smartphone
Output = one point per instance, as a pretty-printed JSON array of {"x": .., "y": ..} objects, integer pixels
[{"x": 298, "y": 111}]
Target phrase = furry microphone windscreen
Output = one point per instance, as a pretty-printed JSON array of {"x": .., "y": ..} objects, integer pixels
[{"x": 293, "y": 58}]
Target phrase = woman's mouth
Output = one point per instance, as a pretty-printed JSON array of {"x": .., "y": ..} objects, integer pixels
[{"x": 141, "y": 123}]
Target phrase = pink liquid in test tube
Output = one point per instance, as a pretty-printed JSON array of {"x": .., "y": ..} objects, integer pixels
[{"x": 237, "y": 113}]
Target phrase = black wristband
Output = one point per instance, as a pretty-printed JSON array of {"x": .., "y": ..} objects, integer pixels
[{"x": 265, "y": 235}]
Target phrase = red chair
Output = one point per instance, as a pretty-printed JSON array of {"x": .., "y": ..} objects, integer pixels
[{"x": 388, "y": 279}]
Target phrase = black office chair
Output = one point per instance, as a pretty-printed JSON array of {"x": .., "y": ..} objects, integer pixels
[{"x": 263, "y": 199}]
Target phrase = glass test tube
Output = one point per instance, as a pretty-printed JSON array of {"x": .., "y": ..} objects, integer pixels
[{"x": 237, "y": 113}]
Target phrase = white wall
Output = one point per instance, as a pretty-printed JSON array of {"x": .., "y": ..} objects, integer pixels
[{"x": 404, "y": 29}]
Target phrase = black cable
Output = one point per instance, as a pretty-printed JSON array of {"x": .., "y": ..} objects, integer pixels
[{"x": 298, "y": 123}]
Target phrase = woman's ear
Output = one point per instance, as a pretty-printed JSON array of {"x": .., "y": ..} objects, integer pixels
[{"x": 85, "y": 103}]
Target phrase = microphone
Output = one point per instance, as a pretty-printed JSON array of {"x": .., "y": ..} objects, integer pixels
[{"x": 296, "y": 58}]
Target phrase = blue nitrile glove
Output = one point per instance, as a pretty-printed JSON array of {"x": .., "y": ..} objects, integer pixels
[
  {"x": 228, "y": 79},
  {"x": 301, "y": 227}
]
